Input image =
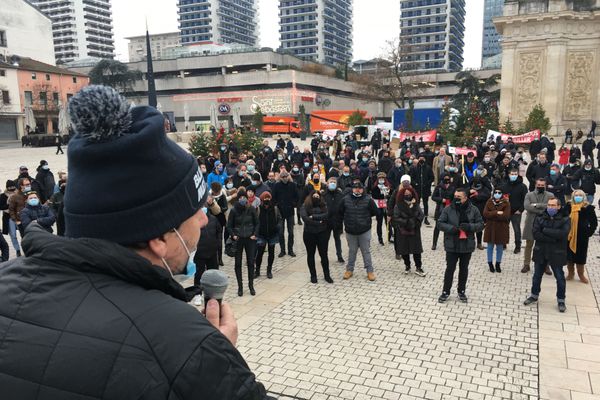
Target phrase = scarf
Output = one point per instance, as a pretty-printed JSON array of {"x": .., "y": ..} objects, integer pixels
[
  {"x": 574, "y": 222},
  {"x": 316, "y": 187}
]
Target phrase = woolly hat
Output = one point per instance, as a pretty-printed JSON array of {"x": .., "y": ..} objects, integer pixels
[
  {"x": 128, "y": 183},
  {"x": 265, "y": 195},
  {"x": 405, "y": 178}
]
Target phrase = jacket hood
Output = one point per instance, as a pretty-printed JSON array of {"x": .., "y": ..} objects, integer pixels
[{"x": 99, "y": 256}]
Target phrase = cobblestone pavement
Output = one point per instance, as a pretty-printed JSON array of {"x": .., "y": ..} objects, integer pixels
[{"x": 390, "y": 339}]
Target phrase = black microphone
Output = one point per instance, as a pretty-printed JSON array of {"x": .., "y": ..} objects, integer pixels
[{"x": 213, "y": 284}]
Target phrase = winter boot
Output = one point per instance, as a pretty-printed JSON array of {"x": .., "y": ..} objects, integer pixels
[
  {"x": 498, "y": 270},
  {"x": 570, "y": 272},
  {"x": 491, "y": 265},
  {"x": 251, "y": 280},
  {"x": 238, "y": 277},
  {"x": 581, "y": 273}
]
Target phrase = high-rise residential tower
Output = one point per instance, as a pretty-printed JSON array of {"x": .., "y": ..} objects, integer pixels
[
  {"x": 218, "y": 21},
  {"x": 81, "y": 28},
  {"x": 491, "y": 39},
  {"x": 432, "y": 34},
  {"x": 318, "y": 30}
]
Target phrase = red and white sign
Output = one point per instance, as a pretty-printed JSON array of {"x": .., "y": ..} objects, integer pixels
[
  {"x": 427, "y": 136},
  {"x": 461, "y": 151},
  {"x": 517, "y": 139},
  {"x": 229, "y": 99},
  {"x": 330, "y": 133}
]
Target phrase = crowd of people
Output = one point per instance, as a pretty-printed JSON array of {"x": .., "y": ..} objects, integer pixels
[{"x": 334, "y": 187}]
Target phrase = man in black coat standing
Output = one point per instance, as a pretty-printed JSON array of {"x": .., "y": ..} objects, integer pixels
[
  {"x": 551, "y": 231},
  {"x": 587, "y": 148},
  {"x": 115, "y": 323},
  {"x": 333, "y": 196},
  {"x": 421, "y": 179},
  {"x": 516, "y": 191},
  {"x": 285, "y": 195}
]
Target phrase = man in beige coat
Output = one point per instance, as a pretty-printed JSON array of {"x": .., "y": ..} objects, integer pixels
[{"x": 440, "y": 162}]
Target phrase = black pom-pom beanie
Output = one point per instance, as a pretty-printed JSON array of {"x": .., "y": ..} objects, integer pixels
[{"x": 128, "y": 183}]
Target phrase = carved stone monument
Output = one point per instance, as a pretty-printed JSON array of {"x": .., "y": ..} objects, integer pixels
[{"x": 551, "y": 56}]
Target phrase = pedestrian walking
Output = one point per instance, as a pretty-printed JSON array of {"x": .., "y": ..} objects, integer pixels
[
  {"x": 497, "y": 217},
  {"x": 550, "y": 230},
  {"x": 583, "y": 225},
  {"x": 357, "y": 210},
  {"x": 459, "y": 222},
  {"x": 316, "y": 234},
  {"x": 58, "y": 142}
]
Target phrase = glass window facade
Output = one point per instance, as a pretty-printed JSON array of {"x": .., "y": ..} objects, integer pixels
[{"x": 491, "y": 43}]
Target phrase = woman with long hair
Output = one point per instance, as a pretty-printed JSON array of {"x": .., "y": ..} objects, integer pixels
[
  {"x": 583, "y": 226},
  {"x": 407, "y": 220},
  {"x": 269, "y": 221},
  {"x": 316, "y": 233}
]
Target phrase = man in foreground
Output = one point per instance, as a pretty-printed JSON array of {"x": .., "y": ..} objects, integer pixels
[{"x": 98, "y": 314}]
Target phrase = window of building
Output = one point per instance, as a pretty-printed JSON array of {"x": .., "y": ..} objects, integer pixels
[
  {"x": 5, "y": 97},
  {"x": 55, "y": 98},
  {"x": 47, "y": 77},
  {"x": 28, "y": 98},
  {"x": 43, "y": 98},
  {"x": 69, "y": 95},
  {"x": 3, "y": 42},
  {"x": 2, "y": 72},
  {"x": 33, "y": 76}
]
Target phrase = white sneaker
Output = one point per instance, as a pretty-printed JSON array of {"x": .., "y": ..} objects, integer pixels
[{"x": 198, "y": 300}]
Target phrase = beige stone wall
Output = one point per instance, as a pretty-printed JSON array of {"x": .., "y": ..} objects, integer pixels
[{"x": 552, "y": 59}]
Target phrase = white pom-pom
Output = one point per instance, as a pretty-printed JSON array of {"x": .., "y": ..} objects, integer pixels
[{"x": 100, "y": 113}]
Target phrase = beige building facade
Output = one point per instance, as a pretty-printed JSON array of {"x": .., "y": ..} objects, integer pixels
[{"x": 551, "y": 56}]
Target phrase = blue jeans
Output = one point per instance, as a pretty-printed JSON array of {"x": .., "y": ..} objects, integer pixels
[
  {"x": 490, "y": 252},
  {"x": 559, "y": 274},
  {"x": 12, "y": 232}
]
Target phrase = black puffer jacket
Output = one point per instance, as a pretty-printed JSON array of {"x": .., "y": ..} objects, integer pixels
[
  {"x": 314, "y": 218},
  {"x": 449, "y": 222},
  {"x": 357, "y": 213},
  {"x": 113, "y": 326},
  {"x": 333, "y": 198},
  {"x": 551, "y": 238},
  {"x": 516, "y": 192},
  {"x": 243, "y": 221},
  {"x": 210, "y": 238},
  {"x": 269, "y": 221}
]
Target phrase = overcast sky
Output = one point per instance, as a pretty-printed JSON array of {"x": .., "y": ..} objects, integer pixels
[{"x": 375, "y": 22}]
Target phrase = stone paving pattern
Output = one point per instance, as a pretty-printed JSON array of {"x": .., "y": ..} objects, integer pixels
[{"x": 390, "y": 339}]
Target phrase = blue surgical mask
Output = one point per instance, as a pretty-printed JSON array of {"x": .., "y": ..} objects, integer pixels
[
  {"x": 280, "y": 158},
  {"x": 190, "y": 266},
  {"x": 365, "y": 159},
  {"x": 295, "y": 169},
  {"x": 578, "y": 199},
  {"x": 255, "y": 183},
  {"x": 229, "y": 186},
  {"x": 552, "y": 172},
  {"x": 241, "y": 173},
  {"x": 205, "y": 210},
  {"x": 513, "y": 178},
  {"x": 306, "y": 165},
  {"x": 45, "y": 167},
  {"x": 33, "y": 202},
  {"x": 346, "y": 173},
  {"x": 551, "y": 211},
  {"x": 243, "y": 202},
  {"x": 497, "y": 196},
  {"x": 332, "y": 186},
  {"x": 250, "y": 168},
  {"x": 27, "y": 189}
]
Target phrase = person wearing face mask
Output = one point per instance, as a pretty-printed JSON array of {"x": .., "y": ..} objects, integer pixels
[
  {"x": 45, "y": 177},
  {"x": 587, "y": 148},
  {"x": 583, "y": 226},
  {"x": 297, "y": 175},
  {"x": 538, "y": 169},
  {"x": 396, "y": 173},
  {"x": 459, "y": 222},
  {"x": 217, "y": 175},
  {"x": 333, "y": 197},
  {"x": 316, "y": 234},
  {"x": 312, "y": 185},
  {"x": 369, "y": 177},
  {"x": 296, "y": 157},
  {"x": 285, "y": 196},
  {"x": 557, "y": 184},
  {"x": 569, "y": 172},
  {"x": 588, "y": 177},
  {"x": 551, "y": 233},
  {"x": 231, "y": 168},
  {"x": 479, "y": 194},
  {"x": 280, "y": 161},
  {"x": 563, "y": 155},
  {"x": 516, "y": 191},
  {"x": 407, "y": 219},
  {"x": 118, "y": 263},
  {"x": 440, "y": 164},
  {"x": 34, "y": 211},
  {"x": 575, "y": 151},
  {"x": 7, "y": 228},
  {"x": 455, "y": 177},
  {"x": 258, "y": 185},
  {"x": 488, "y": 164},
  {"x": 241, "y": 178},
  {"x": 243, "y": 226},
  {"x": 422, "y": 178},
  {"x": 357, "y": 210},
  {"x": 269, "y": 222},
  {"x": 535, "y": 204},
  {"x": 443, "y": 194},
  {"x": 56, "y": 204},
  {"x": 380, "y": 192},
  {"x": 17, "y": 202},
  {"x": 497, "y": 216},
  {"x": 345, "y": 180}
]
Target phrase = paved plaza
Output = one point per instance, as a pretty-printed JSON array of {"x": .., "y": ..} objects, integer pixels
[{"x": 390, "y": 339}]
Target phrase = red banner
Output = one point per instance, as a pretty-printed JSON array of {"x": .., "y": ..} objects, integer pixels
[
  {"x": 462, "y": 151},
  {"x": 427, "y": 136},
  {"x": 518, "y": 139}
]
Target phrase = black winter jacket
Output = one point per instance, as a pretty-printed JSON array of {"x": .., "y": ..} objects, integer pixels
[
  {"x": 47, "y": 183},
  {"x": 357, "y": 213},
  {"x": 210, "y": 238},
  {"x": 421, "y": 179},
  {"x": 314, "y": 218},
  {"x": 286, "y": 197},
  {"x": 449, "y": 222},
  {"x": 588, "y": 180},
  {"x": 269, "y": 221},
  {"x": 242, "y": 221},
  {"x": 516, "y": 192},
  {"x": 551, "y": 238},
  {"x": 42, "y": 214},
  {"x": 333, "y": 198},
  {"x": 113, "y": 326}
]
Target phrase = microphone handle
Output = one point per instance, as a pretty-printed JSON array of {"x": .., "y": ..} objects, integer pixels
[{"x": 206, "y": 299}]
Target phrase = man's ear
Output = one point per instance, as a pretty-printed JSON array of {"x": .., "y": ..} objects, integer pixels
[{"x": 158, "y": 246}]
